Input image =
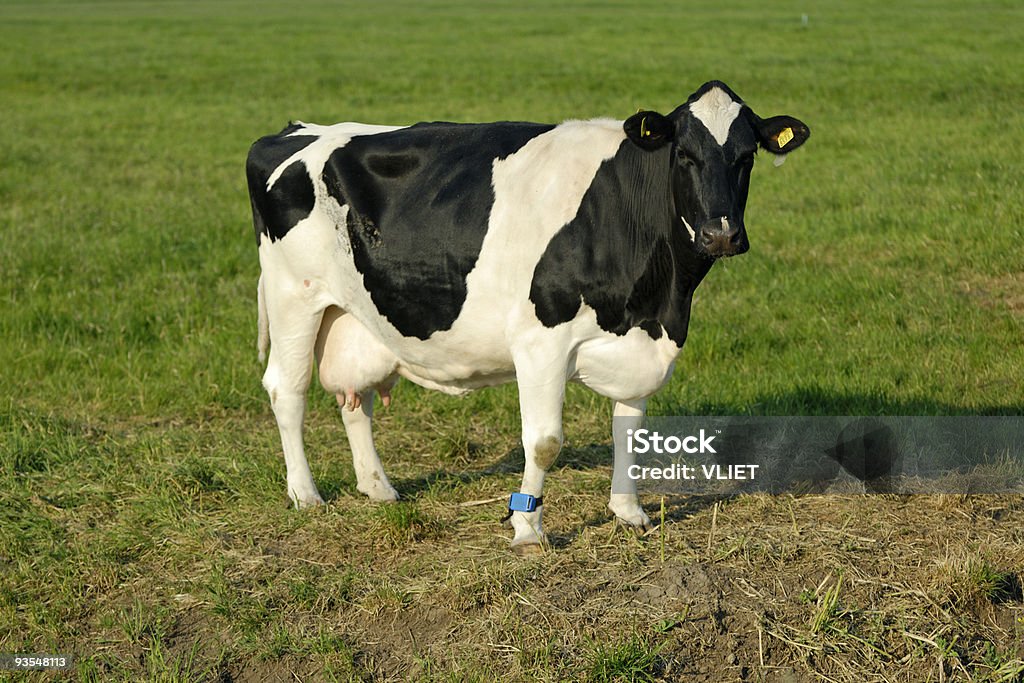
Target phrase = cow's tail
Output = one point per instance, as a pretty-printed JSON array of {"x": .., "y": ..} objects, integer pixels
[{"x": 263, "y": 324}]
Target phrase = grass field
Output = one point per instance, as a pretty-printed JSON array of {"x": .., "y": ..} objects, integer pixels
[{"x": 144, "y": 525}]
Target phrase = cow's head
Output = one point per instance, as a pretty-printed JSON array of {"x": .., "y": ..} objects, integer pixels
[{"x": 713, "y": 139}]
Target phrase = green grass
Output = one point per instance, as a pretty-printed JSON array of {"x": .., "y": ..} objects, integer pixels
[
  {"x": 629, "y": 661},
  {"x": 880, "y": 253},
  {"x": 143, "y": 521}
]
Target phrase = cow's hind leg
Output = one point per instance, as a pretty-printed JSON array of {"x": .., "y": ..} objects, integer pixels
[
  {"x": 370, "y": 476},
  {"x": 624, "y": 501},
  {"x": 293, "y": 329},
  {"x": 353, "y": 366}
]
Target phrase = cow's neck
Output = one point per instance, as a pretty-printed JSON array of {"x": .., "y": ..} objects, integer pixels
[
  {"x": 624, "y": 254},
  {"x": 670, "y": 270}
]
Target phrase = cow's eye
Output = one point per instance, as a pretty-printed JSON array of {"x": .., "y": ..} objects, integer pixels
[{"x": 684, "y": 158}]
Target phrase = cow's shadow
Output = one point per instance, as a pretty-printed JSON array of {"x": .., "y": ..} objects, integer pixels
[
  {"x": 815, "y": 401},
  {"x": 806, "y": 401}
]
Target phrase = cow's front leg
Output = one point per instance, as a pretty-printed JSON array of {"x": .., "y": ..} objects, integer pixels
[
  {"x": 624, "y": 501},
  {"x": 540, "y": 404}
]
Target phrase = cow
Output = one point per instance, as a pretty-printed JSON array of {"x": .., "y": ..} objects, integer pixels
[{"x": 460, "y": 256}]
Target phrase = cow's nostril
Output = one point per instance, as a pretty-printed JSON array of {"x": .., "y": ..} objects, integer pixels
[
  {"x": 715, "y": 242},
  {"x": 719, "y": 237}
]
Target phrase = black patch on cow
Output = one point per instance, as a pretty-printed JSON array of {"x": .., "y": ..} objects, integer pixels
[
  {"x": 419, "y": 202},
  {"x": 624, "y": 254},
  {"x": 291, "y": 198},
  {"x": 392, "y": 165}
]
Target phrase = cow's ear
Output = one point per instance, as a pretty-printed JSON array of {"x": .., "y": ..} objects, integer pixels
[
  {"x": 649, "y": 129},
  {"x": 781, "y": 134}
]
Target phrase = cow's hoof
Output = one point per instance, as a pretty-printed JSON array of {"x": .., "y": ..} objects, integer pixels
[
  {"x": 304, "y": 502},
  {"x": 381, "y": 493},
  {"x": 640, "y": 529},
  {"x": 627, "y": 511},
  {"x": 638, "y": 519},
  {"x": 527, "y": 549}
]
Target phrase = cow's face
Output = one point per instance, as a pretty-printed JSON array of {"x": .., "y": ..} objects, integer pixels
[{"x": 712, "y": 139}]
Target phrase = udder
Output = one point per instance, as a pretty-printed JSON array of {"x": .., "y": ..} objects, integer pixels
[{"x": 351, "y": 360}]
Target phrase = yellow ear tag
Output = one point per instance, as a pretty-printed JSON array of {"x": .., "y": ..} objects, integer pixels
[
  {"x": 644, "y": 133},
  {"x": 784, "y": 137}
]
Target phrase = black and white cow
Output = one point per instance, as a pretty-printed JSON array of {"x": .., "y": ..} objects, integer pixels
[{"x": 465, "y": 255}]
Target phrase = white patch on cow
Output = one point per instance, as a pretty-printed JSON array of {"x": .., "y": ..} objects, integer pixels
[
  {"x": 716, "y": 110},
  {"x": 601, "y": 360},
  {"x": 693, "y": 235},
  {"x": 537, "y": 191},
  {"x": 338, "y": 215}
]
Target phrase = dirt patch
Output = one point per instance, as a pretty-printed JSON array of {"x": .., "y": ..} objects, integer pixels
[
  {"x": 777, "y": 589},
  {"x": 1003, "y": 291},
  {"x": 402, "y": 641},
  {"x": 285, "y": 670}
]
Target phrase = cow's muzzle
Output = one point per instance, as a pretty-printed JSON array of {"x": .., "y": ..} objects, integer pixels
[{"x": 720, "y": 238}]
